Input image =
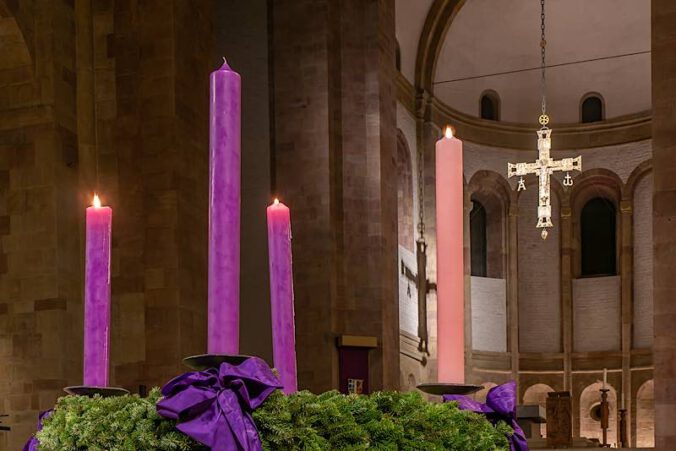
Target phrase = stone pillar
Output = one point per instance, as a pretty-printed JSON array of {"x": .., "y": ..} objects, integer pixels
[
  {"x": 335, "y": 147},
  {"x": 664, "y": 218},
  {"x": 40, "y": 287},
  {"x": 428, "y": 134},
  {"x": 567, "y": 290},
  {"x": 627, "y": 274},
  {"x": 163, "y": 56}
]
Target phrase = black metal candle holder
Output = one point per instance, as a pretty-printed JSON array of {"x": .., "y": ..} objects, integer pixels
[
  {"x": 605, "y": 416},
  {"x": 203, "y": 362},
  {"x": 90, "y": 391},
  {"x": 441, "y": 389}
]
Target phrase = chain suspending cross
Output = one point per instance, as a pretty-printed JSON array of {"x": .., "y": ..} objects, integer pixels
[{"x": 544, "y": 167}]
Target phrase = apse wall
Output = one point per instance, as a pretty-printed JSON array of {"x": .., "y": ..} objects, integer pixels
[
  {"x": 596, "y": 314},
  {"x": 242, "y": 37},
  {"x": 537, "y": 312},
  {"x": 643, "y": 263},
  {"x": 539, "y": 275},
  {"x": 489, "y": 314},
  {"x": 408, "y": 295}
]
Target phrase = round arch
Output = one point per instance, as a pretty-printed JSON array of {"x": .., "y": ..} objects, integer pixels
[
  {"x": 494, "y": 98},
  {"x": 492, "y": 192},
  {"x": 595, "y": 183},
  {"x": 589, "y": 424},
  {"x": 405, "y": 193},
  {"x": 645, "y": 415},
  {"x": 635, "y": 177},
  {"x": 588, "y": 96},
  {"x": 537, "y": 395},
  {"x": 437, "y": 23}
]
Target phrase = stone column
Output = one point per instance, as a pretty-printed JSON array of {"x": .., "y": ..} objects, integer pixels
[
  {"x": 335, "y": 146},
  {"x": 163, "y": 56},
  {"x": 627, "y": 276},
  {"x": 567, "y": 290},
  {"x": 664, "y": 218},
  {"x": 428, "y": 134}
]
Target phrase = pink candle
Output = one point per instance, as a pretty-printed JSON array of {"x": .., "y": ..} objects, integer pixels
[
  {"x": 450, "y": 267},
  {"x": 224, "y": 211},
  {"x": 281, "y": 295},
  {"x": 97, "y": 295}
]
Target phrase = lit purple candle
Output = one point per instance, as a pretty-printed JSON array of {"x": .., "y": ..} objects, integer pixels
[
  {"x": 97, "y": 295},
  {"x": 281, "y": 295},
  {"x": 224, "y": 211}
]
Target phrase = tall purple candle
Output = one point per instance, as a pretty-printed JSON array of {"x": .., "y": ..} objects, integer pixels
[
  {"x": 281, "y": 295},
  {"x": 97, "y": 295},
  {"x": 224, "y": 211}
]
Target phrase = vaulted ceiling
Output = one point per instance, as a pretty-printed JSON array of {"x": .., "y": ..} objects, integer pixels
[{"x": 600, "y": 46}]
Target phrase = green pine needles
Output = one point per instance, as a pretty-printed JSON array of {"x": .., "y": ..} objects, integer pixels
[{"x": 304, "y": 421}]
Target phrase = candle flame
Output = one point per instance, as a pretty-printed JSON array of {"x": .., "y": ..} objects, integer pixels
[
  {"x": 448, "y": 132},
  {"x": 97, "y": 202},
  {"x": 276, "y": 201}
]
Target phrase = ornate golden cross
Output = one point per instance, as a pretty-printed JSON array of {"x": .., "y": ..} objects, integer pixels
[{"x": 544, "y": 167}]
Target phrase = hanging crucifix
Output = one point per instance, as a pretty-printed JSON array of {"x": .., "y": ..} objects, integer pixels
[
  {"x": 423, "y": 286},
  {"x": 544, "y": 166}
]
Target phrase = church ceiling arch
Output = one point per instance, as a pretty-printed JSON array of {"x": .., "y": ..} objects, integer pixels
[
  {"x": 21, "y": 12},
  {"x": 620, "y": 127},
  {"x": 439, "y": 19}
]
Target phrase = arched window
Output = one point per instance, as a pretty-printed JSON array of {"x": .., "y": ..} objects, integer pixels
[
  {"x": 405, "y": 193},
  {"x": 490, "y": 106},
  {"x": 598, "y": 241},
  {"x": 477, "y": 230},
  {"x": 592, "y": 109}
]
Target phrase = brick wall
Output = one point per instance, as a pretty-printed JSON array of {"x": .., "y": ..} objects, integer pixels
[
  {"x": 596, "y": 314},
  {"x": 338, "y": 173},
  {"x": 539, "y": 278},
  {"x": 489, "y": 314},
  {"x": 643, "y": 264}
]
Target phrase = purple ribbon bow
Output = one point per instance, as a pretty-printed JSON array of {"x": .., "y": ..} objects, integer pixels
[
  {"x": 500, "y": 405},
  {"x": 214, "y": 406},
  {"x": 33, "y": 442}
]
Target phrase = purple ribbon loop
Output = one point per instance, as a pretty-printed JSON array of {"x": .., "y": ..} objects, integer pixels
[
  {"x": 500, "y": 405},
  {"x": 33, "y": 442},
  {"x": 214, "y": 406}
]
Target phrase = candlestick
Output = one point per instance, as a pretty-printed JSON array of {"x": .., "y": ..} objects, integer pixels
[
  {"x": 450, "y": 265},
  {"x": 281, "y": 294},
  {"x": 97, "y": 295},
  {"x": 605, "y": 417},
  {"x": 623, "y": 428},
  {"x": 224, "y": 211}
]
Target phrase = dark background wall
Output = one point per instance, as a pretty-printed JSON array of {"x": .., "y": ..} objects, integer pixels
[{"x": 241, "y": 35}]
